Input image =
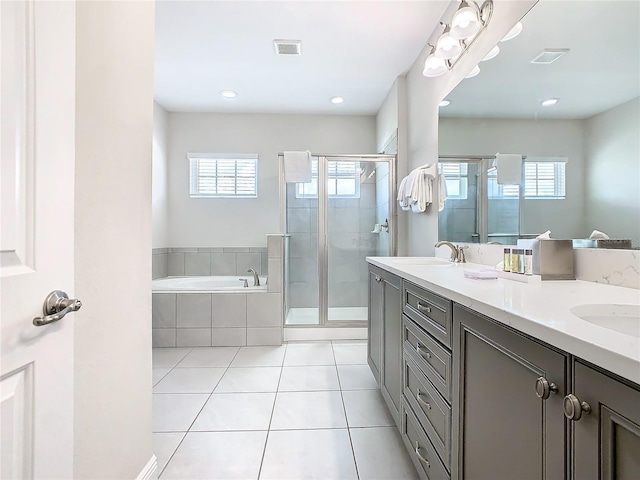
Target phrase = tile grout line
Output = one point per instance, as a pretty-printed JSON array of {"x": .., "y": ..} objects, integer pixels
[
  {"x": 170, "y": 369},
  {"x": 346, "y": 418},
  {"x": 199, "y": 411},
  {"x": 273, "y": 408}
]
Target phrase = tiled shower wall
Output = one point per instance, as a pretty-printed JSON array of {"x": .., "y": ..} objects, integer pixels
[{"x": 205, "y": 261}]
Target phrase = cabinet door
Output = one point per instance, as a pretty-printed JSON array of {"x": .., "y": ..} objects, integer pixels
[
  {"x": 607, "y": 440},
  {"x": 376, "y": 312},
  {"x": 392, "y": 344},
  {"x": 502, "y": 429}
]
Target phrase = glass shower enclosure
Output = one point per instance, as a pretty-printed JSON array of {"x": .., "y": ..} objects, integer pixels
[{"x": 345, "y": 214}]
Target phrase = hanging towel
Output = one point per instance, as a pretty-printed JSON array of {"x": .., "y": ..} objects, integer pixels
[
  {"x": 297, "y": 167},
  {"x": 442, "y": 192},
  {"x": 509, "y": 167},
  {"x": 416, "y": 190}
]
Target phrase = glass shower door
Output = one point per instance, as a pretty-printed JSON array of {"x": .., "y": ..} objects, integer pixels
[{"x": 357, "y": 200}]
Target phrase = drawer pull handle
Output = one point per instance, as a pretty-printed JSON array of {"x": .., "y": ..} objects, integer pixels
[
  {"x": 420, "y": 457},
  {"x": 544, "y": 389},
  {"x": 419, "y": 395},
  {"x": 422, "y": 353},
  {"x": 424, "y": 308},
  {"x": 574, "y": 408}
]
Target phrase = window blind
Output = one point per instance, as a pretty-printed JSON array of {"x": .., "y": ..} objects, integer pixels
[{"x": 214, "y": 176}]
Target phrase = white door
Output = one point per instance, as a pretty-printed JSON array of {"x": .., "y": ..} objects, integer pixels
[{"x": 37, "y": 81}]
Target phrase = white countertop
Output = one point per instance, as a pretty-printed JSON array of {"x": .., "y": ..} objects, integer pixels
[{"x": 541, "y": 310}]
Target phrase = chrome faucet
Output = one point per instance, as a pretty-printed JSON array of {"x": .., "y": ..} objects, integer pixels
[
  {"x": 457, "y": 252},
  {"x": 256, "y": 278}
]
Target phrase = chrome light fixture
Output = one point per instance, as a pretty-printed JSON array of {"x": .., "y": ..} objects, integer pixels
[{"x": 456, "y": 38}]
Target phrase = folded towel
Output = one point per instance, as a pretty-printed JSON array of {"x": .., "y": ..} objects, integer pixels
[
  {"x": 597, "y": 234},
  {"x": 545, "y": 235},
  {"x": 509, "y": 167},
  {"x": 416, "y": 190},
  {"x": 297, "y": 167}
]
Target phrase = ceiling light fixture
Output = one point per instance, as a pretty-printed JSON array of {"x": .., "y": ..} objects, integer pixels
[
  {"x": 337, "y": 100},
  {"x": 228, "y": 94},
  {"x": 492, "y": 54},
  {"x": 549, "y": 102},
  {"x": 513, "y": 33},
  {"x": 474, "y": 71},
  {"x": 444, "y": 103},
  {"x": 456, "y": 38}
]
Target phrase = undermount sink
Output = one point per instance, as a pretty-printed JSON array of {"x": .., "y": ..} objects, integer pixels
[
  {"x": 422, "y": 261},
  {"x": 620, "y": 318}
]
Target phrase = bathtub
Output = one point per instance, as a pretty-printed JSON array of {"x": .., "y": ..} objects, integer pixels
[
  {"x": 215, "y": 311},
  {"x": 207, "y": 284}
]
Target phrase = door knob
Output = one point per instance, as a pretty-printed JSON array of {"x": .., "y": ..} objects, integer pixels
[
  {"x": 55, "y": 307},
  {"x": 544, "y": 388},
  {"x": 573, "y": 407}
]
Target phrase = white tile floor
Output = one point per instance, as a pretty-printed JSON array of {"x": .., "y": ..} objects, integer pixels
[{"x": 300, "y": 411}]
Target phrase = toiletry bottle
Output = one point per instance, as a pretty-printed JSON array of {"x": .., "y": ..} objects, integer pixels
[
  {"x": 528, "y": 262},
  {"x": 507, "y": 260},
  {"x": 514, "y": 260},
  {"x": 520, "y": 260}
]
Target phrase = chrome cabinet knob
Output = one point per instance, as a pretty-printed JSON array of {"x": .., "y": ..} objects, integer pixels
[
  {"x": 544, "y": 389},
  {"x": 378, "y": 278},
  {"x": 574, "y": 408}
]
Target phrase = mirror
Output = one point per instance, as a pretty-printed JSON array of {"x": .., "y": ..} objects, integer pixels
[{"x": 588, "y": 140}]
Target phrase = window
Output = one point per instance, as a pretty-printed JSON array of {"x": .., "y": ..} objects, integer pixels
[
  {"x": 343, "y": 181},
  {"x": 455, "y": 178},
  {"x": 544, "y": 179},
  {"x": 496, "y": 191},
  {"x": 223, "y": 175}
]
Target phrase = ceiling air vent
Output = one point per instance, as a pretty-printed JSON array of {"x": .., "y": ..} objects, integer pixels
[
  {"x": 550, "y": 55},
  {"x": 287, "y": 47}
]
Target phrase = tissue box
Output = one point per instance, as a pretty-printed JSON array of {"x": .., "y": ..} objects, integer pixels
[{"x": 552, "y": 259}]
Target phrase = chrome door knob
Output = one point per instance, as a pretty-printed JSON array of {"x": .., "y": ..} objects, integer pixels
[
  {"x": 574, "y": 408},
  {"x": 544, "y": 388},
  {"x": 55, "y": 307}
]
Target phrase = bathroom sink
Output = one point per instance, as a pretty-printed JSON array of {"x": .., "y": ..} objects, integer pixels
[
  {"x": 620, "y": 318},
  {"x": 422, "y": 261}
]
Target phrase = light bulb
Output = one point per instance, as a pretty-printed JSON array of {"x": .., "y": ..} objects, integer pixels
[
  {"x": 434, "y": 66},
  {"x": 513, "y": 33},
  {"x": 492, "y": 54},
  {"x": 475, "y": 71},
  {"x": 447, "y": 46},
  {"x": 465, "y": 22}
]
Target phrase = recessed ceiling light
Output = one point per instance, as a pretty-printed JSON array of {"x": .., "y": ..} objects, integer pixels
[
  {"x": 444, "y": 103},
  {"x": 492, "y": 54},
  {"x": 228, "y": 94},
  {"x": 336, "y": 100},
  {"x": 549, "y": 102},
  {"x": 474, "y": 72},
  {"x": 513, "y": 33}
]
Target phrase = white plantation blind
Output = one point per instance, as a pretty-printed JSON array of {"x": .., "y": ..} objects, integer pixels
[
  {"x": 544, "y": 179},
  {"x": 343, "y": 180},
  {"x": 456, "y": 180},
  {"x": 223, "y": 175}
]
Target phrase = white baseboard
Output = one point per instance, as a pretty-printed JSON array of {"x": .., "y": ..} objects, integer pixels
[
  {"x": 150, "y": 470},
  {"x": 292, "y": 334}
]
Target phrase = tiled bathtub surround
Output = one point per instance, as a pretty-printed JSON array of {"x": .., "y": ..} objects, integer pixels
[
  {"x": 224, "y": 318},
  {"x": 185, "y": 262},
  {"x": 217, "y": 319}
]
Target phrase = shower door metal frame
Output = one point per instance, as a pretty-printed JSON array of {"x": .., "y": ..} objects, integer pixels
[{"x": 323, "y": 207}]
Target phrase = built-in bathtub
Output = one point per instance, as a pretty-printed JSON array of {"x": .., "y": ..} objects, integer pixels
[{"x": 215, "y": 311}]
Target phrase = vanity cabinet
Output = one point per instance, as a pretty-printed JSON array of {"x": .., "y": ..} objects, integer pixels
[
  {"x": 606, "y": 437},
  {"x": 385, "y": 336},
  {"x": 508, "y": 419}
]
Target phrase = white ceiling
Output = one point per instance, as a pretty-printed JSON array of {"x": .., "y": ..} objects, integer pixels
[
  {"x": 354, "y": 49},
  {"x": 602, "y": 69}
]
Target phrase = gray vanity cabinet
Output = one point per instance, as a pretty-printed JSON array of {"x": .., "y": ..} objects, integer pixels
[
  {"x": 606, "y": 435},
  {"x": 502, "y": 428},
  {"x": 385, "y": 332}
]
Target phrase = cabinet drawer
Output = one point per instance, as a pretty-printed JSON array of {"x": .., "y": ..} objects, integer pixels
[
  {"x": 430, "y": 311},
  {"x": 420, "y": 449},
  {"x": 431, "y": 410},
  {"x": 429, "y": 356}
]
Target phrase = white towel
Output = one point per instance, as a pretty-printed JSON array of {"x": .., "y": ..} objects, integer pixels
[
  {"x": 509, "y": 167},
  {"x": 416, "y": 191},
  {"x": 297, "y": 167},
  {"x": 442, "y": 192}
]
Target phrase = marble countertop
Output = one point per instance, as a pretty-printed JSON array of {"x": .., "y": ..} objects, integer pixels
[{"x": 540, "y": 309}]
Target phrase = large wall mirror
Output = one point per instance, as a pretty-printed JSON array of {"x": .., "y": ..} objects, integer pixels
[{"x": 582, "y": 167}]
